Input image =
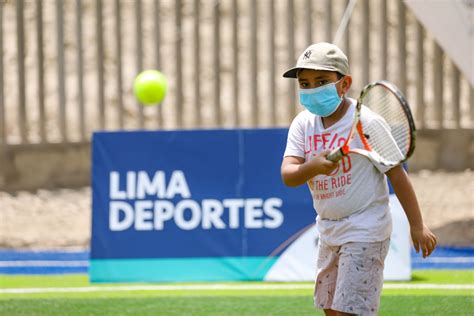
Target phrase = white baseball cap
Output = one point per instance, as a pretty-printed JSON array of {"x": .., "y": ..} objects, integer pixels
[{"x": 321, "y": 56}]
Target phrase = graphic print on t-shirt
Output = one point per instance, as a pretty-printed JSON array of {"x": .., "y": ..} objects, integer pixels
[{"x": 334, "y": 185}]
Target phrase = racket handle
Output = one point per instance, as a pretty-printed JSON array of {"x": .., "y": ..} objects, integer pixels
[{"x": 335, "y": 155}]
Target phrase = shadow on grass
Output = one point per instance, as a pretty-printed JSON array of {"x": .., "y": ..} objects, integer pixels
[{"x": 417, "y": 277}]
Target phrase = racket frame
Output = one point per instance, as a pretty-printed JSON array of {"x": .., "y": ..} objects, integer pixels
[{"x": 337, "y": 154}]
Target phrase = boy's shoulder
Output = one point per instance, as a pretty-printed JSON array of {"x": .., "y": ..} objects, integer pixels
[
  {"x": 305, "y": 114},
  {"x": 303, "y": 117}
]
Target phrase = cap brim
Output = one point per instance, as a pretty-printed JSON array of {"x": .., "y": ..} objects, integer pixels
[{"x": 292, "y": 73}]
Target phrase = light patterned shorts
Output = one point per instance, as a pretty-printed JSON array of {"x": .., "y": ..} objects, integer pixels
[{"x": 350, "y": 277}]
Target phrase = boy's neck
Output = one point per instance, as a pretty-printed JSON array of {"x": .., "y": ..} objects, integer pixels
[{"x": 337, "y": 115}]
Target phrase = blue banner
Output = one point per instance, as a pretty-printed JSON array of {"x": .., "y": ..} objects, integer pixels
[{"x": 191, "y": 205}]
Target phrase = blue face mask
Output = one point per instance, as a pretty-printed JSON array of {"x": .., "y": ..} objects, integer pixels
[{"x": 322, "y": 101}]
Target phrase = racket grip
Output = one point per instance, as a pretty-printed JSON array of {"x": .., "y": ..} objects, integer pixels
[{"x": 335, "y": 155}]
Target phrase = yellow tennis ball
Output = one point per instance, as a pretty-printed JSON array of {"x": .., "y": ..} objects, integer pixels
[{"x": 150, "y": 87}]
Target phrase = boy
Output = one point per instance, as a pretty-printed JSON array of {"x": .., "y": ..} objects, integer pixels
[{"x": 351, "y": 196}]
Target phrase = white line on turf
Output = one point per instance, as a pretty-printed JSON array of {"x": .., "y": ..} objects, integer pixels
[
  {"x": 216, "y": 287},
  {"x": 444, "y": 260},
  {"x": 43, "y": 263}
]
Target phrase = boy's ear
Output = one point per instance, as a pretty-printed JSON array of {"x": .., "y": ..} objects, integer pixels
[{"x": 346, "y": 84}]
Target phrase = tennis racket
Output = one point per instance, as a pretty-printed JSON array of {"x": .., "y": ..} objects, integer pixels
[{"x": 388, "y": 133}]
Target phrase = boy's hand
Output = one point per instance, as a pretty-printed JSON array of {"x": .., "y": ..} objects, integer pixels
[
  {"x": 322, "y": 164},
  {"x": 424, "y": 240}
]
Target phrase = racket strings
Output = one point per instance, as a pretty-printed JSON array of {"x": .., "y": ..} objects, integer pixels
[{"x": 389, "y": 133}]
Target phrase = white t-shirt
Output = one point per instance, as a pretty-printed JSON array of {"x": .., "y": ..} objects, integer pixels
[{"x": 352, "y": 203}]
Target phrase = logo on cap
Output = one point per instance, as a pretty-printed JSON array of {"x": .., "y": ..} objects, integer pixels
[{"x": 307, "y": 54}]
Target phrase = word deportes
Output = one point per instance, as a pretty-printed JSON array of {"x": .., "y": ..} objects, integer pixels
[{"x": 139, "y": 202}]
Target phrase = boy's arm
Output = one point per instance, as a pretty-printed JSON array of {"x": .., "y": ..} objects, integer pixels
[
  {"x": 296, "y": 171},
  {"x": 422, "y": 237}
]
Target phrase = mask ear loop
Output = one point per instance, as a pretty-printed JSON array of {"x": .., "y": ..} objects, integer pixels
[{"x": 343, "y": 96}]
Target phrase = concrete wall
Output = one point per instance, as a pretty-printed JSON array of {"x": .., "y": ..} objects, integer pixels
[
  {"x": 30, "y": 167},
  {"x": 449, "y": 149}
]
